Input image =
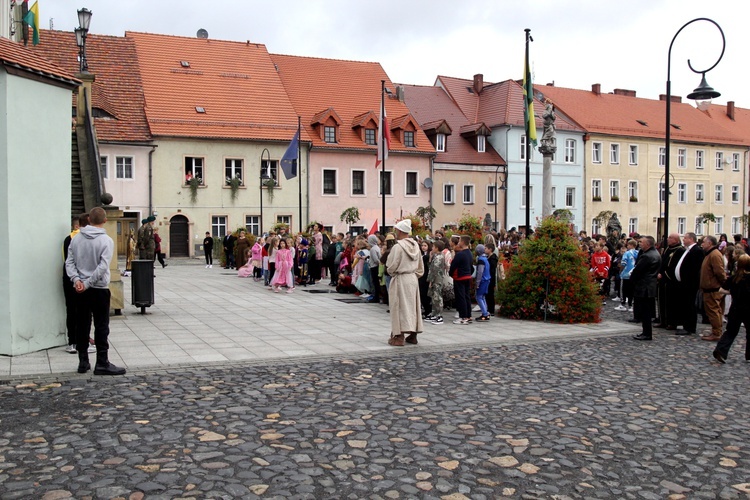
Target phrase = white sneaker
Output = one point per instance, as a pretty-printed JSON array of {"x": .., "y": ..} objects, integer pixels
[
  {"x": 437, "y": 321},
  {"x": 71, "y": 349},
  {"x": 476, "y": 309},
  {"x": 206, "y": 266},
  {"x": 456, "y": 315},
  {"x": 92, "y": 348},
  {"x": 630, "y": 309},
  {"x": 621, "y": 308},
  {"x": 210, "y": 266}
]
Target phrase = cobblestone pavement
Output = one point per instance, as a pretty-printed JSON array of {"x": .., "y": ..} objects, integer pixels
[{"x": 584, "y": 418}]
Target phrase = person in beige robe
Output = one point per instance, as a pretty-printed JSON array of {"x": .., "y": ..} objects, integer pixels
[{"x": 405, "y": 266}]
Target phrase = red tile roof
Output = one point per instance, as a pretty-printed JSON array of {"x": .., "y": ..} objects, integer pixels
[
  {"x": 623, "y": 115},
  {"x": 234, "y": 82},
  {"x": 739, "y": 126},
  {"x": 15, "y": 55},
  {"x": 431, "y": 107},
  {"x": 352, "y": 89},
  {"x": 117, "y": 89}
]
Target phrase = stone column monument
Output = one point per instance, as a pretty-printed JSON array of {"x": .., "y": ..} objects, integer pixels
[{"x": 547, "y": 148}]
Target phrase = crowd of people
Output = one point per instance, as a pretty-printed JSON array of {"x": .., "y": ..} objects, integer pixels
[{"x": 669, "y": 287}]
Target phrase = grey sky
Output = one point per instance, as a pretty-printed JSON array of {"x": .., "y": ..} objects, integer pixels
[{"x": 620, "y": 44}]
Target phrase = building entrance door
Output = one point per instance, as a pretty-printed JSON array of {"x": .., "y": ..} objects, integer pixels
[{"x": 179, "y": 244}]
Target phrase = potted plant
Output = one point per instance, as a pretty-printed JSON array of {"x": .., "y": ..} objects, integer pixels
[
  {"x": 634, "y": 199},
  {"x": 614, "y": 198},
  {"x": 596, "y": 198},
  {"x": 234, "y": 184},
  {"x": 270, "y": 184},
  {"x": 193, "y": 185}
]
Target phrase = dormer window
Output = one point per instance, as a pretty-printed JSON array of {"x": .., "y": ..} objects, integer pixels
[
  {"x": 370, "y": 136},
  {"x": 200, "y": 109},
  {"x": 440, "y": 142},
  {"x": 329, "y": 134},
  {"x": 409, "y": 139},
  {"x": 185, "y": 64},
  {"x": 481, "y": 143}
]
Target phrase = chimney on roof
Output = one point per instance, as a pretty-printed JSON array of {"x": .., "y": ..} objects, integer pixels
[
  {"x": 478, "y": 83},
  {"x": 730, "y": 110},
  {"x": 625, "y": 92},
  {"x": 400, "y": 93},
  {"x": 596, "y": 89},
  {"x": 675, "y": 98}
]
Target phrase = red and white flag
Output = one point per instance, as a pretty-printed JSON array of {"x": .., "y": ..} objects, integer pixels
[
  {"x": 374, "y": 227},
  {"x": 384, "y": 137}
]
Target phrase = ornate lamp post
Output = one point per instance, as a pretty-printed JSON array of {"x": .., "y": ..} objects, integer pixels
[
  {"x": 263, "y": 178},
  {"x": 82, "y": 31},
  {"x": 703, "y": 93},
  {"x": 501, "y": 187}
]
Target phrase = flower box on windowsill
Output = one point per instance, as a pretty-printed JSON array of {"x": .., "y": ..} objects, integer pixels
[
  {"x": 614, "y": 198},
  {"x": 634, "y": 199},
  {"x": 596, "y": 198}
]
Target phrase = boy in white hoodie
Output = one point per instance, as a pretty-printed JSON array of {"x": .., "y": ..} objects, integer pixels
[{"x": 87, "y": 266}]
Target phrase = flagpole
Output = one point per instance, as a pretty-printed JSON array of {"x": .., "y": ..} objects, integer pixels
[
  {"x": 383, "y": 145},
  {"x": 299, "y": 168},
  {"x": 528, "y": 141}
]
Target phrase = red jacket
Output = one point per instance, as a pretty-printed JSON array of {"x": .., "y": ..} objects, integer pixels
[{"x": 600, "y": 263}]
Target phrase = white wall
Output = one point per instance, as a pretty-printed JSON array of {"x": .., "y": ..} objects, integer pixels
[{"x": 35, "y": 140}]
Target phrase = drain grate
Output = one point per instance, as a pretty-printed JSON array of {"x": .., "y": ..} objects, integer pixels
[
  {"x": 351, "y": 301},
  {"x": 320, "y": 291}
]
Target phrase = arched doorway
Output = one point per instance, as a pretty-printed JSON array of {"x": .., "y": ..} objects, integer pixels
[{"x": 179, "y": 236}]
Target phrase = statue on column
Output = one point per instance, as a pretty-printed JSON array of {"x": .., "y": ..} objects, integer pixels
[
  {"x": 549, "y": 117},
  {"x": 614, "y": 229}
]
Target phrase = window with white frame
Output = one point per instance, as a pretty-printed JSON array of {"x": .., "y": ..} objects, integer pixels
[
  {"x": 440, "y": 142},
  {"x": 735, "y": 162},
  {"x": 614, "y": 154},
  {"x": 661, "y": 192},
  {"x": 491, "y": 194},
  {"x": 449, "y": 194},
  {"x": 736, "y": 228},
  {"x": 284, "y": 219},
  {"x": 468, "y": 194},
  {"x": 412, "y": 184},
  {"x": 596, "y": 152},
  {"x": 699, "y": 226},
  {"x": 735, "y": 194},
  {"x": 523, "y": 196},
  {"x": 719, "y": 225},
  {"x": 596, "y": 189},
  {"x": 252, "y": 224},
  {"x": 681, "y": 225},
  {"x": 719, "y": 193},
  {"x": 124, "y": 167},
  {"x": 570, "y": 197},
  {"x": 614, "y": 190},
  {"x": 329, "y": 181},
  {"x": 699, "y": 158},
  {"x": 233, "y": 169},
  {"x": 329, "y": 134},
  {"x": 633, "y": 190},
  {"x": 633, "y": 225},
  {"x": 681, "y": 192},
  {"x": 719, "y": 160},
  {"x": 681, "y": 158},
  {"x": 219, "y": 226},
  {"x": 103, "y": 160},
  {"x": 553, "y": 196},
  {"x": 385, "y": 183},
  {"x": 595, "y": 227},
  {"x": 662, "y": 156},
  {"x": 271, "y": 170},
  {"x": 481, "y": 143},
  {"x": 193, "y": 169},
  {"x": 633, "y": 154},
  {"x": 699, "y": 193},
  {"x": 570, "y": 150},
  {"x": 523, "y": 147},
  {"x": 358, "y": 182}
]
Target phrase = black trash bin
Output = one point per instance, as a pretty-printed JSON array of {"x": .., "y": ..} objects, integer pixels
[{"x": 142, "y": 283}]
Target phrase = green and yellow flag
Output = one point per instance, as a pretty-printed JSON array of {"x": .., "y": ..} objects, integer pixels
[
  {"x": 528, "y": 98},
  {"x": 32, "y": 19}
]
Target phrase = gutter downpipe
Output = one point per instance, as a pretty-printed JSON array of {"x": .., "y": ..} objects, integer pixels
[
  {"x": 150, "y": 179},
  {"x": 507, "y": 178}
]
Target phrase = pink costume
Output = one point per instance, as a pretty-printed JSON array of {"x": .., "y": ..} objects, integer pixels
[
  {"x": 247, "y": 270},
  {"x": 284, "y": 265},
  {"x": 256, "y": 254}
]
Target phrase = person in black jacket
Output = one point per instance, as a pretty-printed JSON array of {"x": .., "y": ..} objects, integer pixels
[
  {"x": 489, "y": 249},
  {"x": 688, "y": 274},
  {"x": 208, "y": 250},
  {"x": 229, "y": 240},
  {"x": 668, "y": 288},
  {"x": 644, "y": 282},
  {"x": 460, "y": 271},
  {"x": 739, "y": 312}
]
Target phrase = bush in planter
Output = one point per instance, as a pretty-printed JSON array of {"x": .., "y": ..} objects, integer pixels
[
  {"x": 634, "y": 199},
  {"x": 614, "y": 198},
  {"x": 596, "y": 198},
  {"x": 550, "y": 254}
]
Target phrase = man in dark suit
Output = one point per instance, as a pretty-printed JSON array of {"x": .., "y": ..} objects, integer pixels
[
  {"x": 669, "y": 291},
  {"x": 688, "y": 274},
  {"x": 644, "y": 283},
  {"x": 228, "y": 242}
]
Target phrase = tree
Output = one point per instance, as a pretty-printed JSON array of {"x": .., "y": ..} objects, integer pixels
[
  {"x": 350, "y": 216},
  {"x": 550, "y": 275},
  {"x": 426, "y": 215}
]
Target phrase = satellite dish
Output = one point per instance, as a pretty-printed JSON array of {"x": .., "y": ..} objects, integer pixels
[
  {"x": 202, "y": 33},
  {"x": 428, "y": 183}
]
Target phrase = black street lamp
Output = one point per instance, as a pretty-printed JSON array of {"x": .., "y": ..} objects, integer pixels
[
  {"x": 703, "y": 93},
  {"x": 501, "y": 187},
  {"x": 82, "y": 31},
  {"x": 264, "y": 176}
]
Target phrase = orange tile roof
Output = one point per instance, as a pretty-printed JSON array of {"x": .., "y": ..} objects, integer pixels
[
  {"x": 117, "y": 89},
  {"x": 740, "y": 126},
  {"x": 235, "y": 82},
  {"x": 431, "y": 107},
  {"x": 352, "y": 89},
  {"x": 15, "y": 55},
  {"x": 614, "y": 114}
]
